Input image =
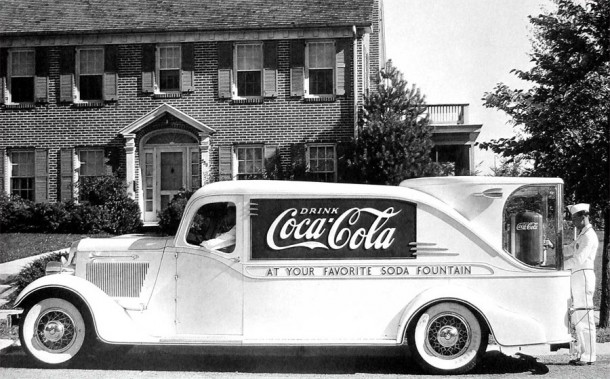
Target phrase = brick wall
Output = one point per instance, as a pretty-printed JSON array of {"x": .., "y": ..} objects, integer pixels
[{"x": 283, "y": 120}]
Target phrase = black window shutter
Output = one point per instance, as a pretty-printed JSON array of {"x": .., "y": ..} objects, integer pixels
[
  {"x": 148, "y": 68},
  {"x": 297, "y": 68},
  {"x": 3, "y": 74},
  {"x": 270, "y": 69},
  {"x": 188, "y": 67},
  {"x": 111, "y": 73},
  {"x": 66, "y": 74},
  {"x": 340, "y": 67},
  {"x": 66, "y": 172},
  {"x": 41, "y": 78},
  {"x": 41, "y": 176},
  {"x": 225, "y": 69}
]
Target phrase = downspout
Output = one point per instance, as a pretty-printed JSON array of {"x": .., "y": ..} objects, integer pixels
[{"x": 355, "y": 76}]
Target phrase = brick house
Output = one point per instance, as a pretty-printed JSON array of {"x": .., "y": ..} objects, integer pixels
[{"x": 175, "y": 94}]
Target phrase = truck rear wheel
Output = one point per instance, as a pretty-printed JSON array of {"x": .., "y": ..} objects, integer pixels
[
  {"x": 447, "y": 339},
  {"x": 52, "y": 331}
]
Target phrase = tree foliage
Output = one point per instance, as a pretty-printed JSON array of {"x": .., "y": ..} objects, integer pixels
[
  {"x": 394, "y": 136},
  {"x": 564, "y": 116}
]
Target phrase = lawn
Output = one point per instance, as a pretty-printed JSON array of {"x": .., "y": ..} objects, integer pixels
[{"x": 21, "y": 245}]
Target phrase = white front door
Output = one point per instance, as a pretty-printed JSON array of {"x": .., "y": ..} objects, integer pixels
[{"x": 165, "y": 171}]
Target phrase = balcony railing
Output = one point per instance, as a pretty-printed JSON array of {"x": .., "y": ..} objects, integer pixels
[{"x": 448, "y": 114}]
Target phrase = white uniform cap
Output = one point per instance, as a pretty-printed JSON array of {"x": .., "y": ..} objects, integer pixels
[{"x": 578, "y": 208}]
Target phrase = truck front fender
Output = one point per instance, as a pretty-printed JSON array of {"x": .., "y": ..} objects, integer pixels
[
  {"x": 110, "y": 320},
  {"x": 516, "y": 329}
]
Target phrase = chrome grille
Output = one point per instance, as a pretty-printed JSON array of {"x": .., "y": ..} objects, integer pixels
[{"x": 118, "y": 279}]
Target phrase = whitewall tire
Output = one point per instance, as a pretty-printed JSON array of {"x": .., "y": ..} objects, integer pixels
[
  {"x": 52, "y": 331},
  {"x": 447, "y": 339}
]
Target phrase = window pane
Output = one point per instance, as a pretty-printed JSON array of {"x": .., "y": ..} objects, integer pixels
[
  {"x": 23, "y": 187},
  {"x": 249, "y": 83},
  {"x": 169, "y": 57},
  {"x": 91, "y": 62},
  {"x": 23, "y": 163},
  {"x": 22, "y": 63},
  {"x": 249, "y": 57},
  {"x": 22, "y": 89},
  {"x": 90, "y": 87},
  {"x": 92, "y": 163},
  {"x": 321, "y": 82},
  {"x": 321, "y": 55},
  {"x": 169, "y": 80}
]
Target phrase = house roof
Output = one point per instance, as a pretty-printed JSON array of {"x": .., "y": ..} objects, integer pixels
[{"x": 31, "y": 17}]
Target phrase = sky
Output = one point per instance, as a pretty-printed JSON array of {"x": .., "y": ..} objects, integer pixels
[{"x": 456, "y": 50}]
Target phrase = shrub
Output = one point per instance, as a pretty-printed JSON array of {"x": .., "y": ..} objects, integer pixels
[
  {"x": 104, "y": 207},
  {"x": 169, "y": 219},
  {"x": 31, "y": 272}
]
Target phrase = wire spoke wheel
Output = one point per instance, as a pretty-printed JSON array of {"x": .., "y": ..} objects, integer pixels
[
  {"x": 448, "y": 336},
  {"x": 447, "y": 339},
  {"x": 52, "y": 331},
  {"x": 55, "y": 330}
]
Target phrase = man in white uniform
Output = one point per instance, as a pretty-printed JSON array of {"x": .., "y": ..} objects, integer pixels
[{"x": 582, "y": 284}]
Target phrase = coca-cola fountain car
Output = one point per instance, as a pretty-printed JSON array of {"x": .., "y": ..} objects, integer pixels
[{"x": 437, "y": 264}]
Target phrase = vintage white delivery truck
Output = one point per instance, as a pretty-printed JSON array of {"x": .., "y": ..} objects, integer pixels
[{"x": 438, "y": 264}]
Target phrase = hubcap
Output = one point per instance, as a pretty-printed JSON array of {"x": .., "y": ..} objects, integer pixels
[
  {"x": 448, "y": 336},
  {"x": 55, "y": 331}
]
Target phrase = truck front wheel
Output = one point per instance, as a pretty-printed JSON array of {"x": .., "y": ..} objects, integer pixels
[
  {"x": 53, "y": 331},
  {"x": 447, "y": 339}
]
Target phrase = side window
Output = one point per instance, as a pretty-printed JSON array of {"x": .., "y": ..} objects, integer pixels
[
  {"x": 213, "y": 227},
  {"x": 320, "y": 68},
  {"x": 169, "y": 68},
  {"x": 90, "y": 73},
  {"x": 321, "y": 160},
  {"x": 22, "y": 178},
  {"x": 21, "y": 72},
  {"x": 249, "y": 68},
  {"x": 249, "y": 162}
]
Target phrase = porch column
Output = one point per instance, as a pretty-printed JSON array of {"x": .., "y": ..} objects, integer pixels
[
  {"x": 204, "y": 149},
  {"x": 130, "y": 164}
]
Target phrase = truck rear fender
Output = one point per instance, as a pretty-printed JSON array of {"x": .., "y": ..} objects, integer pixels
[{"x": 488, "y": 311}]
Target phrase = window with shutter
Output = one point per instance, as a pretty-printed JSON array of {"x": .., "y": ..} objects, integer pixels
[
  {"x": 21, "y": 73},
  {"x": 22, "y": 163},
  {"x": 249, "y": 161},
  {"x": 322, "y": 162},
  {"x": 249, "y": 68},
  {"x": 320, "y": 68},
  {"x": 169, "y": 58},
  {"x": 90, "y": 74}
]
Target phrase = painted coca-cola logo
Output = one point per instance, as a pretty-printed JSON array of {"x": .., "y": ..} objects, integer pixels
[
  {"x": 527, "y": 226},
  {"x": 332, "y": 228}
]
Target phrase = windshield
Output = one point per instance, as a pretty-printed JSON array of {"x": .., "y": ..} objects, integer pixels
[{"x": 532, "y": 222}]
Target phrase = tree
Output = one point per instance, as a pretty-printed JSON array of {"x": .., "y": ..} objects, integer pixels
[
  {"x": 394, "y": 135},
  {"x": 564, "y": 116}
]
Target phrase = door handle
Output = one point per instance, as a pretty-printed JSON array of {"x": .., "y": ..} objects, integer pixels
[{"x": 236, "y": 259}]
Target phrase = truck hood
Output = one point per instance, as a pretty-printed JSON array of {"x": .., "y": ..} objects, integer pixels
[{"x": 124, "y": 243}]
